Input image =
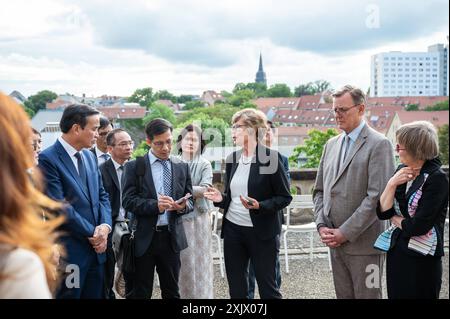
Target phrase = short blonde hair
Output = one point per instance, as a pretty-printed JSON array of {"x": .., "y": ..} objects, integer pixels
[
  {"x": 420, "y": 139},
  {"x": 252, "y": 118}
]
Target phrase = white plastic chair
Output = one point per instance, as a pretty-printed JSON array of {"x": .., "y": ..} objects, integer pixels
[
  {"x": 300, "y": 201},
  {"x": 215, "y": 215}
]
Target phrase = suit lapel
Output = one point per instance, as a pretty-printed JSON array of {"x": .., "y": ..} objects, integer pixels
[
  {"x": 148, "y": 178},
  {"x": 112, "y": 171},
  {"x": 175, "y": 175},
  {"x": 67, "y": 162},
  {"x": 234, "y": 165}
]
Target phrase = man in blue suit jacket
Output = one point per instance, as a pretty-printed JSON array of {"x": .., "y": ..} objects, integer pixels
[{"x": 72, "y": 176}]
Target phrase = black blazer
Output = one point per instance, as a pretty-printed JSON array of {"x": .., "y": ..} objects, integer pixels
[
  {"x": 267, "y": 183},
  {"x": 431, "y": 210},
  {"x": 145, "y": 206},
  {"x": 112, "y": 186}
]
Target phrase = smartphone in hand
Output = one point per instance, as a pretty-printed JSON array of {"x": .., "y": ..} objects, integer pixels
[
  {"x": 179, "y": 201},
  {"x": 248, "y": 200}
]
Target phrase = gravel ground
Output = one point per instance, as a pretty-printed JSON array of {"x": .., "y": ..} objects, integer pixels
[{"x": 310, "y": 280}]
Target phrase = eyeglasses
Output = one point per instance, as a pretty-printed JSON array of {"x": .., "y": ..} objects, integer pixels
[
  {"x": 160, "y": 144},
  {"x": 398, "y": 148},
  {"x": 125, "y": 144},
  {"x": 103, "y": 134},
  {"x": 237, "y": 126},
  {"x": 35, "y": 146},
  {"x": 343, "y": 110}
]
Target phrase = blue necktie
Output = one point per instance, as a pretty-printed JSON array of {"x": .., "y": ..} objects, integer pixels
[
  {"x": 105, "y": 156},
  {"x": 82, "y": 170}
]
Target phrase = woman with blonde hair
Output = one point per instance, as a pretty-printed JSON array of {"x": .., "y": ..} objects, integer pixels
[
  {"x": 255, "y": 191},
  {"x": 27, "y": 268}
]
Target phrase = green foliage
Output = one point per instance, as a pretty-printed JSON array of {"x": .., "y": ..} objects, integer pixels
[
  {"x": 141, "y": 150},
  {"x": 39, "y": 100},
  {"x": 259, "y": 89},
  {"x": 313, "y": 147},
  {"x": 28, "y": 108},
  {"x": 312, "y": 88},
  {"x": 293, "y": 190},
  {"x": 279, "y": 90},
  {"x": 164, "y": 95},
  {"x": 221, "y": 111},
  {"x": 184, "y": 98},
  {"x": 193, "y": 105},
  {"x": 412, "y": 107},
  {"x": 241, "y": 97},
  {"x": 142, "y": 96},
  {"x": 159, "y": 111},
  {"x": 440, "y": 106},
  {"x": 443, "y": 143}
]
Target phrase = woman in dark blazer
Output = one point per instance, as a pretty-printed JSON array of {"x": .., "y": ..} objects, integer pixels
[
  {"x": 415, "y": 200},
  {"x": 256, "y": 189}
]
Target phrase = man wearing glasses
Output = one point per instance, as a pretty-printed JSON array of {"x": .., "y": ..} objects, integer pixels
[
  {"x": 353, "y": 172},
  {"x": 158, "y": 206},
  {"x": 100, "y": 149},
  {"x": 120, "y": 146}
]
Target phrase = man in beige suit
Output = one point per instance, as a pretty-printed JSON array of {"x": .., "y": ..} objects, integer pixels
[{"x": 354, "y": 170}]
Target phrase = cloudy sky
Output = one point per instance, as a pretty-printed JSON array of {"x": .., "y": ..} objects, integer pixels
[{"x": 187, "y": 46}]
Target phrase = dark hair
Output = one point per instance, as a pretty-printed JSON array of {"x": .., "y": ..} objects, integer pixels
[
  {"x": 35, "y": 131},
  {"x": 270, "y": 123},
  {"x": 76, "y": 114},
  {"x": 111, "y": 137},
  {"x": 104, "y": 122},
  {"x": 187, "y": 129},
  {"x": 157, "y": 127}
]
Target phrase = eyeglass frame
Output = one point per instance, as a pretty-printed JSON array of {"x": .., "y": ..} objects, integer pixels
[
  {"x": 238, "y": 126},
  {"x": 342, "y": 111},
  {"x": 123, "y": 144},
  {"x": 398, "y": 149}
]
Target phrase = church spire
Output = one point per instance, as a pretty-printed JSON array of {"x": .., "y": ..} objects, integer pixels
[{"x": 260, "y": 75}]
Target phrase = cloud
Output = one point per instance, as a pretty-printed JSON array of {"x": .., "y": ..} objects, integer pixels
[{"x": 198, "y": 32}]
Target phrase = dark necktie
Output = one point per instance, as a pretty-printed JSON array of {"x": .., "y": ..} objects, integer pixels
[
  {"x": 82, "y": 170},
  {"x": 167, "y": 177},
  {"x": 105, "y": 156}
]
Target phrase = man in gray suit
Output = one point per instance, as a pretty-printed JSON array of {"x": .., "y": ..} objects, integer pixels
[{"x": 354, "y": 170}]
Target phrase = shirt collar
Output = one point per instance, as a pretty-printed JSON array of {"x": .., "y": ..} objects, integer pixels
[
  {"x": 116, "y": 165},
  {"x": 353, "y": 135},
  {"x": 69, "y": 148},
  {"x": 98, "y": 152},
  {"x": 153, "y": 158}
]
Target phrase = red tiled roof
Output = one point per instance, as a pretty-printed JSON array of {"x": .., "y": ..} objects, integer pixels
[
  {"x": 402, "y": 101},
  {"x": 123, "y": 112},
  {"x": 438, "y": 118}
]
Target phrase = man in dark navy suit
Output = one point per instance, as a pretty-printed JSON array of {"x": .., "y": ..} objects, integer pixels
[{"x": 72, "y": 176}]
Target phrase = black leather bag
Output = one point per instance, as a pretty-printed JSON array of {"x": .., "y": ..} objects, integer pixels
[{"x": 128, "y": 260}]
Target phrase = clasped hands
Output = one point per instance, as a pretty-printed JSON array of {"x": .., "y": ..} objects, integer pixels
[
  {"x": 332, "y": 237},
  {"x": 100, "y": 238}
]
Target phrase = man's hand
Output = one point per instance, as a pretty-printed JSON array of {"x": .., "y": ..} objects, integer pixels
[
  {"x": 165, "y": 203},
  {"x": 332, "y": 237},
  {"x": 100, "y": 238}
]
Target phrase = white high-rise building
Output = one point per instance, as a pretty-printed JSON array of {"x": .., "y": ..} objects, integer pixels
[{"x": 410, "y": 73}]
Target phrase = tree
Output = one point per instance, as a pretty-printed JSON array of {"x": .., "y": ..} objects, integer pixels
[
  {"x": 214, "y": 129},
  {"x": 142, "y": 96},
  {"x": 184, "y": 98},
  {"x": 141, "y": 150},
  {"x": 28, "y": 108},
  {"x": 160, "y": 111},
  {"x": 312, "y": 88},
  {"x": 304, "y": 89},
  {"x": 193, "y": 105},
  {"x": 240, "y": 97},
  {"x": 412, "y": 107},
  {"x": 321, "y": 86},
  {"x": 164, "y": 95},
  {"x": 39, "y": 100},
  {"x": 440, "y": 106},
  {"x": 313, "y": 147},
  {"x": 259, "y": 89},
  {"x": 279, "y": 90},
  {"x": 443, "y": 143}
]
